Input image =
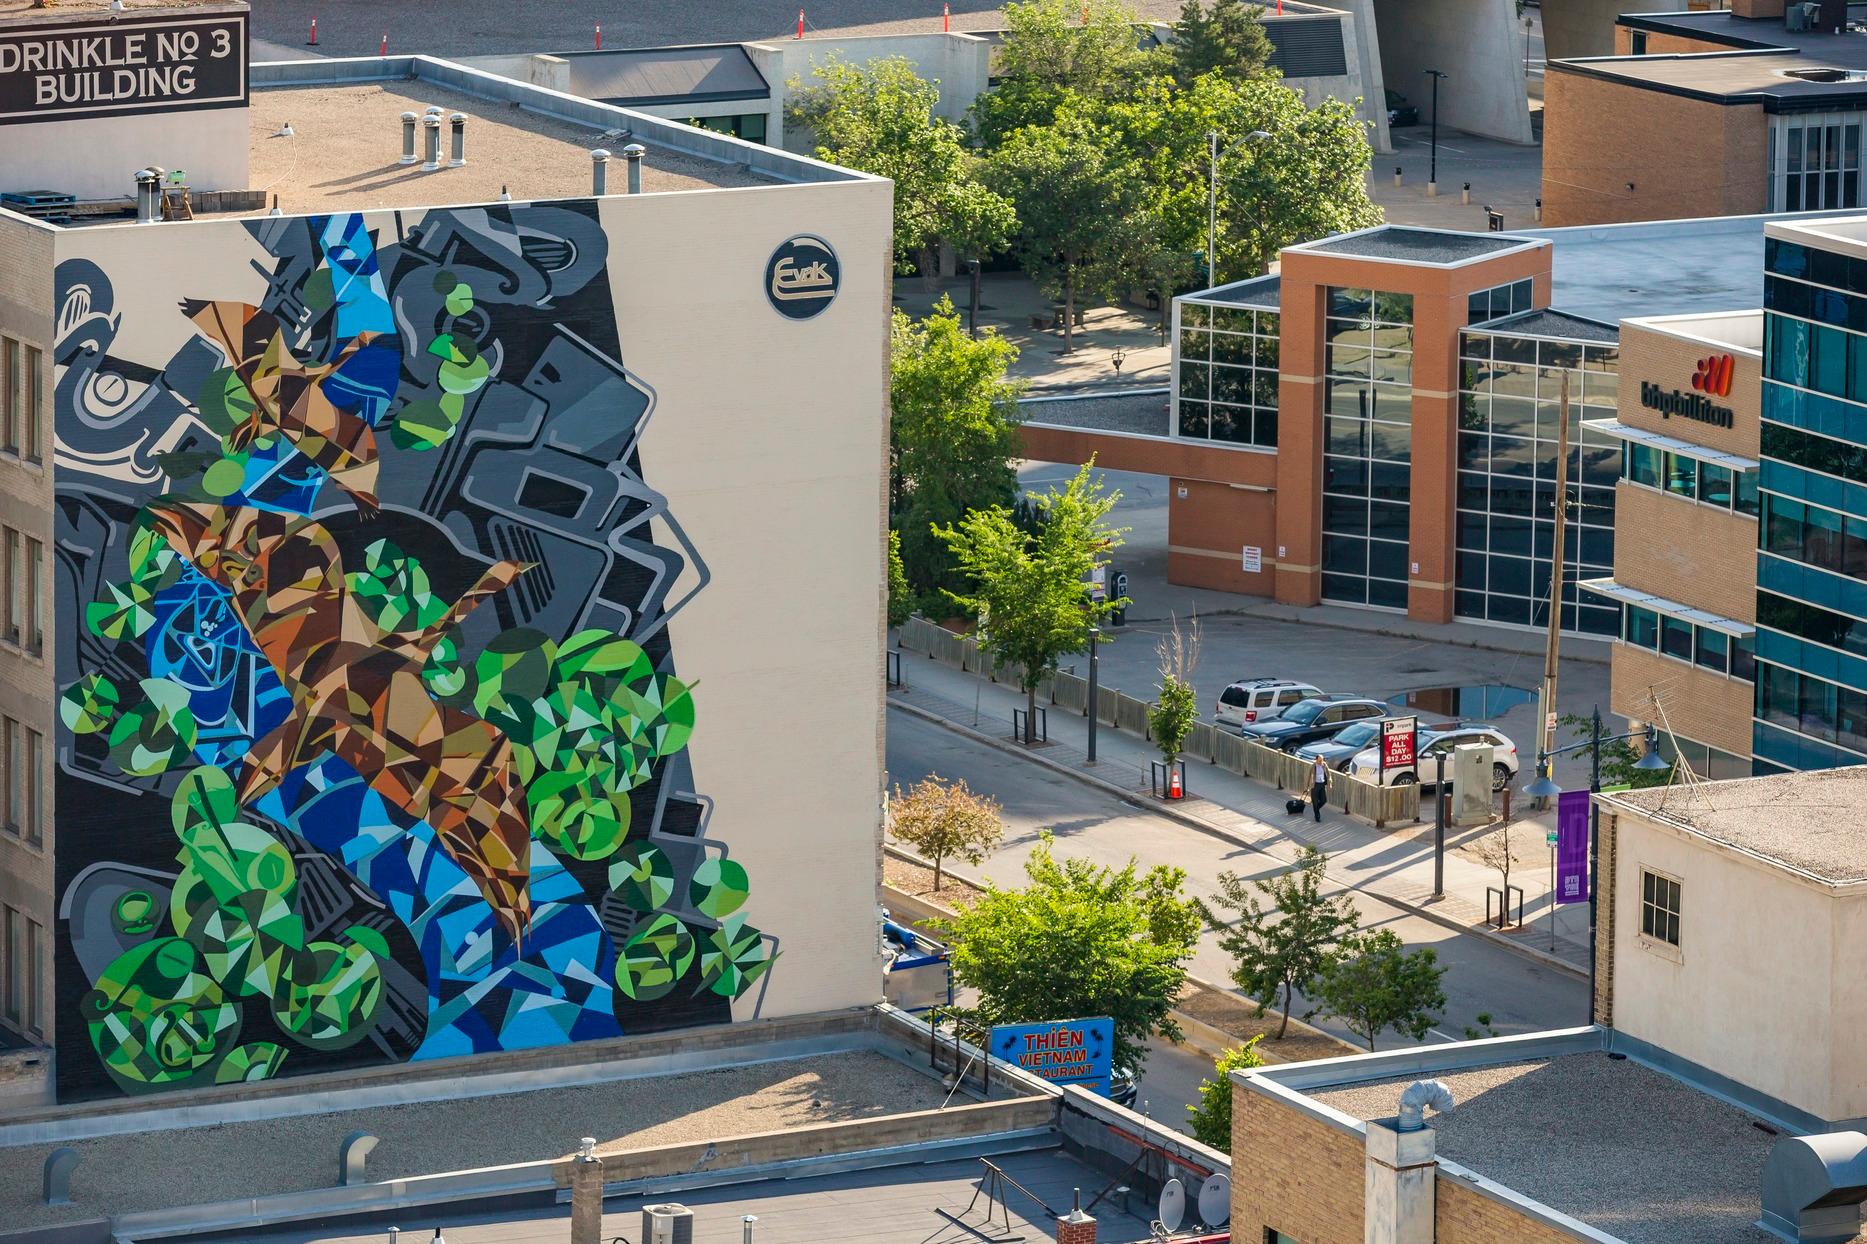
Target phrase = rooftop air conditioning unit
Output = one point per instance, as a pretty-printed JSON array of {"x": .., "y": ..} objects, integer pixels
[
  {"x": 1795, "y": 18},
  {"x": 667, "y": 1224}
]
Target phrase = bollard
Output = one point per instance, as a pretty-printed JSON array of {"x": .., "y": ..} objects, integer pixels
[
  {"x": 599, "y": 36},
  {"x": 408, "y": 138},
  {"x": 800, "y": 23},
  {"x": 599, "y": 171},
  {"x": 313, "y": 40},
  {"x": 1397, "y": 174},
  {"x": 384, "y": 49},
  {"x": 1465, "y": 193},
  {"x": 430, "y": 143},
  {"x": 1539, "y": 211},
  {"x": 633, "y": 153},
  {"x": 458, "y": 124},
  {"x": 55, "y": 1188}
]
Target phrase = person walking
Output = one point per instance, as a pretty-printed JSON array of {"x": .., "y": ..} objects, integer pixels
[{"x": 1319, "y": 787}]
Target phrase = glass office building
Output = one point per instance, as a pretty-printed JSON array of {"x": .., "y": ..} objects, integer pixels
[
  {"x": 1226, "y": 366},
  {"x": 1367, "y": 447},
  {"x": 1811, "y": 643},
  {"x": 1511, "y": 373}
]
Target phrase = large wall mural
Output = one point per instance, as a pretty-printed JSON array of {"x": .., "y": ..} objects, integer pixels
[{"x": 371, "y": 742}]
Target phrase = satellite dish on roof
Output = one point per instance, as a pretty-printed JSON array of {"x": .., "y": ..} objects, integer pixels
[
  {"x": 1215, "y": 1200},
  {"x": 1172, "y": 1206}
]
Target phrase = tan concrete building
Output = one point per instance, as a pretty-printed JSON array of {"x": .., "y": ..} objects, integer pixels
[
  {"x": 1756, "y": 108},
  {"x": 1718, "y": 1056},
  {"x": 1686, "y": 525}
]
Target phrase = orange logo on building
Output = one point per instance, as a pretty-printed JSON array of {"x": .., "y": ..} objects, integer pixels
[{"x": 1714, "y": 375}]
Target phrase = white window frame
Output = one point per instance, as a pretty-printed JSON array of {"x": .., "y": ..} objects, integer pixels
[{"x": 1776, "y": 171}]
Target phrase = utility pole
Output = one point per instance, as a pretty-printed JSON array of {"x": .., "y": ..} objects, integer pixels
[
  {"x": 1546, "y": 704},
  {"x": 1432, "y": 175},
  {"x": 1095, "y": 637},
  {"x": 1212, "y": 209}
]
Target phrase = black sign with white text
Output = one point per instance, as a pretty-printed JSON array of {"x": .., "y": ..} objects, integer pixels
[{"x": 125, "y": 66}]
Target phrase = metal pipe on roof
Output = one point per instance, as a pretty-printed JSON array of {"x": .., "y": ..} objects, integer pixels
[
  {"x": 408, "y": 138},
  {"x": 1414, "y": 1100},
  {"x": 633, "y": 153},
  {"x": 148, "y": 195},
  {"x": 458, "y": 124},
  {"x": 599, "y": 171},
  {"x": 431, "y": 143}
]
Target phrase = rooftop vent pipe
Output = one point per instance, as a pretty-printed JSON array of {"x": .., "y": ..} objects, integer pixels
[
  {"x": 408, "y": 138},
  {"x": 599, "y": 171},
  {"x": 458, "y": 124},
  {"x": 1414, "y": 1100},
  {"x": 1813, "y": 1187},
  {"x": 633, "y": 153},
  {"x": 148, "y": 196},
  {"x": 431, "y": 142}
]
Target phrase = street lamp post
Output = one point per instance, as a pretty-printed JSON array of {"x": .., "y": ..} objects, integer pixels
[
  {"x": 1544, "y": 787},
  {"x": 972, "y": 318},
  {"x": 1212, "y": 208},
  {"x": 1432, "y": 175},
  {"x": 1095, "y": 635}
]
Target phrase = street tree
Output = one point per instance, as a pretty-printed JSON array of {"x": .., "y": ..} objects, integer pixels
[
  {"x": 900, "y": 595},
  {"x": 1170, "y": 719},
  {"x": 952, "y": 440},
  {"x": 1226, "y": 36},
  {"x": 1030, "y": 590},
  {"x": 1376, "y": 984},
  {"x": 1211, "y": 1119},
  {"x": 879, "y": 118},
  {"x": 1494, "y": 851},
  {"x": 1053, "y": 51},
  {"x": 1079, "y": 941},
  {"x": 1279, "y": 950},
  {"x": 1287, "y": 173},
  {"x": 1617, "y": 758},
  {"x": 1084, "y": 222},
  {"x": 943, "y": 819}
]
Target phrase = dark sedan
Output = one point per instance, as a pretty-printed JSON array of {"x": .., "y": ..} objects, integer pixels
[{"x": 1312, "y": 720}]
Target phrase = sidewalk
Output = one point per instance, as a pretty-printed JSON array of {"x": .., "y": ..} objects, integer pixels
[{"x": 1395, "y": 865}]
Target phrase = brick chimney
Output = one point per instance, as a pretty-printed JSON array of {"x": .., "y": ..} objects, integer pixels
[{"x": 1076, "y": 1227}]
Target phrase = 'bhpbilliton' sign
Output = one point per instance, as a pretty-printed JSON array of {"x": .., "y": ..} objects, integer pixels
[
  {"x": 126, "y": 66},
  {"x": 1073, "y": 1051}
]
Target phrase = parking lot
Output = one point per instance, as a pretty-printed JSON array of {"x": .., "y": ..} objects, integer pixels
[{"x": 1440, "y": 675}]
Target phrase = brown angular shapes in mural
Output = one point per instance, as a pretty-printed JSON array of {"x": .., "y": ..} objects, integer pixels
[
  {"x": 357, "y": 691},
  {"x": 271, "y": 394}
]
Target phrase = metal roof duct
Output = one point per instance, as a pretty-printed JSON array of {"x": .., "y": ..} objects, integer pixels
[{"x": 1813, "y": 1187}]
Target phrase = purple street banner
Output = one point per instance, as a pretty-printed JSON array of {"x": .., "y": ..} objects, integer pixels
[{"x": 1572, "y": 882}]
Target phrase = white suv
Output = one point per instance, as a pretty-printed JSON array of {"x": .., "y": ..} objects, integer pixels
[
  {"x": 1259, "y": 699},
  {"x": 1435, "y": 746}
]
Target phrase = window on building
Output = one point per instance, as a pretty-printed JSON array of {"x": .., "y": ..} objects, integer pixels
[
  {"x": 1744, "y": 658},
  {"x": 34, "y": 621},
  {"x": 1642, "y": 627},
  {"x": 15, "y": 966},
  {"x": 35, "y": 978},
  {"x": 1228, "y": 375},
  {"x": 1659, "y": 907},
  {"x": 34, "y": 801},
  {"x": 15, "y": 587},
  {"x": 1367, "y": 447},
  {"x": 1509, "y": 431},
  {"x": 1643, "y": 464},
  {"x": 35, "y": 401},
  {"x": 749, "y": 125},
  {"x": 12, "y": 748},
  {"x": 1814, "y": 162},
  {"x": 12, "y": 395}
]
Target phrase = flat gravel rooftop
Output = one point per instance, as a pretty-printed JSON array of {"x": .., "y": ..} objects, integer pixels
[
  {"x": 347, "y": 139},
  {"x": 233, "y": 1161},
  {"x": 1142, "y": 415},
  {"x": 1815, "y": 822},
  {"x": 890, "y": 1205},
  {"x": 1418, "y": 245},
  {"x": 1627, "y": 1149}
]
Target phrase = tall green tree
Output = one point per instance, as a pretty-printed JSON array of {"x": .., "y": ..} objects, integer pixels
[
  {"x": 1056, "y": 50},
  {"x": 1376, "y": 984},
  {"x": 1280, "y": 949},
  {"x": 954, "y": 435},
  {"x": 1226, "y": 36},
  {"x": 1030, "y": 591},
  {"x": 1211, "y": 1117},
  {"x": 1079, "y": 941},
  {"x": 879, "y": 118},
  {"x": 1304, "y": 178},
  {"x": 1617, "y": 758},
  {"x": 1083, "y": 217},
  {"x": 900, "y": 595}
]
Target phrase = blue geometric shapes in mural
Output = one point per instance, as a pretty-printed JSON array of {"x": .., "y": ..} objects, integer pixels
[
  {"x": 199, "y": 643},
  {"x": 356, "y": 284}
]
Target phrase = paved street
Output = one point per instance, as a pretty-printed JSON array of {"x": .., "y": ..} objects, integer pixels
[{"x": 1521, "y": 996}]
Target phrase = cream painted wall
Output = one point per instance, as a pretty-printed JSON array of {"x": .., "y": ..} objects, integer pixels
[
  {"x": 1732, "y": 998},
  {"x": 768, "y": 439},
  {"x": 97, "y": 158}
]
